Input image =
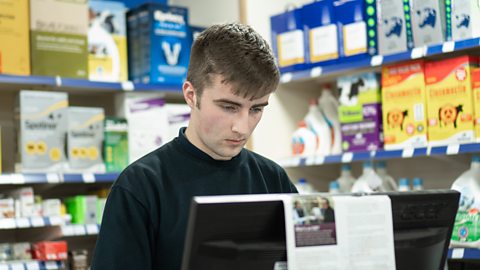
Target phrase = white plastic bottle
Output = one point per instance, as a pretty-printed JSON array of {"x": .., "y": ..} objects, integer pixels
[
  {"x": 468, "y": 184},
  {"x": 334, "y": 188},
  {"x": 369, "y": 181},
  {"x": 304, "y": 141},
  {"x": 403, "y": 184},
  {"x": 346, "y": 179},
  {"x": 329, "y": 106},
  {"x": 417, "y": 183},
  {"x": 317, "y": 123},
  {"x": 388, "y": 182},
  {"x": 304, "y": 187}
]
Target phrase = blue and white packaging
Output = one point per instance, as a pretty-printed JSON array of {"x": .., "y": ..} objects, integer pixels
[
  {"x": 394, "y": 26},
  {"x": 164, "y": 43},
  {"x": 463, "y": 19},
  {"x": 195, "y": 31},
  {"x": 428, "y": 21},
  {"x": 357, "y": 25},
  {"x": 288, "y": 41},
  {"x": 320, "y": 32}
]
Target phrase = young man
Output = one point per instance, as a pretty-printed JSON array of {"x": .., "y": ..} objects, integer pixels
[{"x": 230, "y": 78}]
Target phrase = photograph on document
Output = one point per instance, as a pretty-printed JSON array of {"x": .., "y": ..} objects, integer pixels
[{"x": 314, "y": 220}]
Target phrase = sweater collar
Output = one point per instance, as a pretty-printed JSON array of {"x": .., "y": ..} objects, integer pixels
[{"x": 195, "y": 151}]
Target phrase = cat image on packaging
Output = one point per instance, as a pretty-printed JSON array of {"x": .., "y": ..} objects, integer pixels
[
  {"x": 394, "y": 26},
  {"x": 428, "y": 21},
  {"x": 84, "y": 139},
  {"x": 15, "y": 37},
  {"x": 403, "y": 105},
  {"x": 476, "y": 101},
  {"x": 107, "y": 42},
  {"x": 449, "y": 100},
  {"x": 463, "y": 19},
  {"x": 43, "y": 127},
  {"x": 58, "y": 33}
]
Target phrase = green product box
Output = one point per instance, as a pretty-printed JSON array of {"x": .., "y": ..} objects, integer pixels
[
  {"x": 58, "y": 39},
  {"x": 466, "y": 227},
  {"x": 83, "y": 209},
  {"x": 115, "y": 144},
  {"x": 100, "y": 207}
]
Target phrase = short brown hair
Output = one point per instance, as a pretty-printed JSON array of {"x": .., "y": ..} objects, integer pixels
[{"x": 237, "y": 53}]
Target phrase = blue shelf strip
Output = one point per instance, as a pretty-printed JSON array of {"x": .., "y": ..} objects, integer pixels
[
  {"x": 55, "y": 178},
  {"x": 381, "y": 154},
  {"x": 379, "y": 60},
  {"x": 32, "y": 265},
  {"x": 464, "y": 253},
  {"x": 59, "y": 83}
]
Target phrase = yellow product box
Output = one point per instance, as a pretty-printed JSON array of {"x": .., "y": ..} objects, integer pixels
[
  {"x": 403, "y": 105},
  {"x": 0, "y": 149},
  {"x": 449, "y": 100},
  {"x": 14, "y": 37},
  {"x": 476, "y": 101}
]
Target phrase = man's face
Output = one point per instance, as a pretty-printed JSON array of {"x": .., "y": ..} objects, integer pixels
[{"x": 223, "y": 122}]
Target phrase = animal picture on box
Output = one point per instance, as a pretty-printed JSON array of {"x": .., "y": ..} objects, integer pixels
[
  {"x": 396, "y": 118},
  {"x": 393, "y": 26},
  {"x": 427, "y": 17}
]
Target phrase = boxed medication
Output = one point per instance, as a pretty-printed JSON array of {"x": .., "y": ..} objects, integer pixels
[
  {"x": 115, "y": 145},
  {"x": 22, "y": 251},
  {"x": 15, "y": 37},
  {"x": 357, "y": 26},
  {"x": 178, "y": 117},
  {"x": 449, "y": 100},
  {"x": 360, "y": 112},
  {"x": 59, "y": 38},
  {"x": 83, "y": 209},
  {"x": 85, "y": 139},
  {"x": 320, "y": 32},
  {"x": 428, "y": 22},
  {"x": 24, "y": 201},
  {"x": 143, "y": 137},
  {"x": 107, "y": 41},
  {"x": 7, "y": 208},
  {"x": 288, "y": 42},
  {"x": 403, "y": 105},
  {"x": 195, "y": 31},
  {"x": 394, "y": 26},
  {"x": 50, "y": 251},
  {"x": 43, "y": 127},
  {"x": 51, "y": 207},
  {"x": 462, "y": 19},
  {"x": 476, "y": 101},
  {"x": 163, "y": 43}
]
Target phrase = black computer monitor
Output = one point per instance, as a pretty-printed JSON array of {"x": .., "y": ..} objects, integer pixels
[{"x": 251, "y": 235}]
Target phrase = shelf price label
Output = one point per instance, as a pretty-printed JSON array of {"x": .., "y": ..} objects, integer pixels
[
  {"x": 7, "y": 223},
  {"x": 50, "y": 265},
  {"x": 316, "y": 72},
  {"x": 32, "y": 266},
  {"x": 128, "y": 86},
  {"x": 17, "y": 266},
  {"x": 23, "y": 223},
  {"x": 88, "y": 177},
  {"x": 347, "y": 157},
  {"x": 53, "y": 178},
  {"x": 92, "y": 228},
  {"x": 285, "y": 78},
  {"x": 38, "y": 222},
  {"x": 453, "y": 149},
  {"x": 457, "y": 253},
  {"x": 448, "y": 46},
  {"x": 4, "y": 266},
  {"x": 376, "y": 60},
  {"x": 79, "y": 230}
]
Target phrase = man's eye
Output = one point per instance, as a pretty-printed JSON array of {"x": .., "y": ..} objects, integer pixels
[
  {"x": 256, "y": 110},
  {"x": 229, "y": 108}
]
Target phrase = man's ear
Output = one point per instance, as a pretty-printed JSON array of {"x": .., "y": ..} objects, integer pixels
[{"x": 189, "y": 94}]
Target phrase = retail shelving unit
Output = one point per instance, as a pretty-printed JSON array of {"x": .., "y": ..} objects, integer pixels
[{"x": 32, "y": 265}]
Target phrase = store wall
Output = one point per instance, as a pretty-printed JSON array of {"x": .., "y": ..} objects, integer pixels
[{"x": 207, "y": 12}]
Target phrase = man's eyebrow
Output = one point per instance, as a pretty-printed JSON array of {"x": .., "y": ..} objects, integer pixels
[
  {"x": 261, "y": 104},
  {"x": 223, "y": 100}
]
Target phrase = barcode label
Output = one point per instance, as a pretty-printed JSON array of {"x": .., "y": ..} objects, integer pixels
[{"x": 418, "y": 112}]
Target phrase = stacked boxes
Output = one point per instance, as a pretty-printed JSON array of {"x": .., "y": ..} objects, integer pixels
[
  {"x": 476, "y": 101},
  {"x": 116, "y": 144},
  {"x": 449, "y": 99},
  {"x": 403, "y": 105},
  {"x": 83, "y": 209},
  {"x": 43, "y": 127},
  {"x": 428, "y": 21},
  {"x": 58, "y": 39},
  {"x": 160, "y": 44},
  {"x": 394, "y": 26},
  {"x": 288, "y": 40},
  {"x": 85, "y": 138},
  {"x": 14, "y": 36},
  {"x": 462, "y": 19},
  {"x": 107, "y": 42},
  {"x": 360, "y": 112},
  {"x": 321, "y": 33}
]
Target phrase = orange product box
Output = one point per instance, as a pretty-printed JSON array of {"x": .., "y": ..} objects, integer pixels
[
  {"x": 50, "y": 251},
  {"x": 476, "y": 102},
  {"x": 449, "y": 100},
  {"x": 403, "y": 105}
]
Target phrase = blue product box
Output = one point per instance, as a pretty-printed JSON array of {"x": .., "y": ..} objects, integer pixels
[
  {"x": 195, "y": 31},
  {"x": 394, "y": 26},
  {"x": 288, "y": 40},
  {"x": 164, "y": 43},
  {"x": 320, "y": 32},
  {"x": 133, "y": 44},
  {"x": 357, "y": 25}
]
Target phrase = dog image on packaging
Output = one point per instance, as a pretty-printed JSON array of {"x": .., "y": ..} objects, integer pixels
[
  {"x": 449, "y": 100},
  {"x": 476, "y": 101},
  {"x": 403, "y": 106}
]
